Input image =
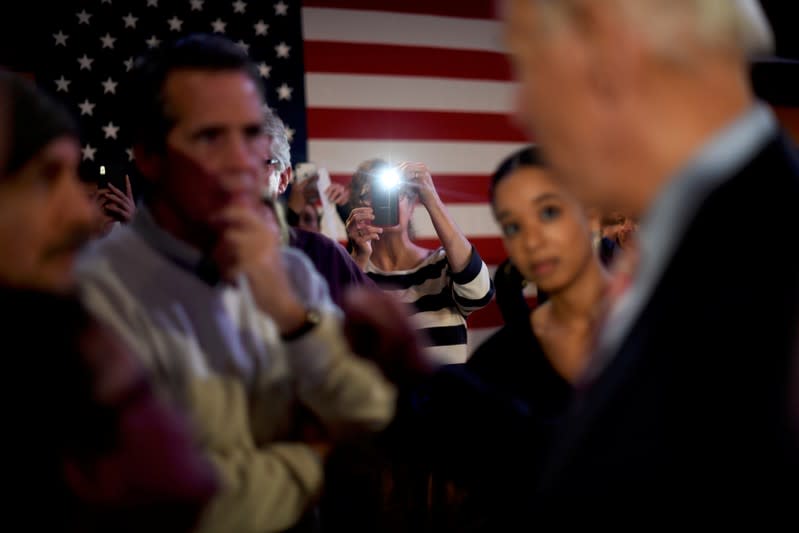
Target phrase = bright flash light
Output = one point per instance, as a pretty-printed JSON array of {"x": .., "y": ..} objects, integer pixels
[
  {"x": 389, "y": 178},
  {"x": 102, "y": 170}
]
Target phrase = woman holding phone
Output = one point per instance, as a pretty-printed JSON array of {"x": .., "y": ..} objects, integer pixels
[{"x": 444, "y": 285}]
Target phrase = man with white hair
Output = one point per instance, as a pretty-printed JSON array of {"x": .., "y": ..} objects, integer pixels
[
  {"x": 645, "y": 106},
  {"x": 330, "y": 258}
]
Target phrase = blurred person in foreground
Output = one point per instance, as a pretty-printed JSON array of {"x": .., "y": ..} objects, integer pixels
[
  {"x": 645, "y": 106},
  {"x": 92, "y": 447},
  {"x": 45, "y": 217},
  {"x": 235, "y": 327}
]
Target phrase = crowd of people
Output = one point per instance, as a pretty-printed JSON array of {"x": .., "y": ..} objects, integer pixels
[{"x": 204, "y": 359}]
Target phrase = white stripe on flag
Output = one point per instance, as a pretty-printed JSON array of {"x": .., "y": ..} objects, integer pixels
[
  {"x": 474, "y": 220},
  {"x": 408, "y": 92},
  {"x": 380, "y": 27},
  {"x": 442, "y": 157}
]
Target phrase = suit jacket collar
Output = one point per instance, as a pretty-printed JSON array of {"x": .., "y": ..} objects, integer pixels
[
  {"x": 677, "y": 204},
  {"x": 591, "y": 401}
]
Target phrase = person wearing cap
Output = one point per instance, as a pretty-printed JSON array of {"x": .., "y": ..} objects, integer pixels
[
  {"x": 45, "y": 216},
  {"x": 76, "y": 399}
]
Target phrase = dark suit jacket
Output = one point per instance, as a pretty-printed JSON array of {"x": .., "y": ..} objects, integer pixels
[{"x": 691, "y": 415}]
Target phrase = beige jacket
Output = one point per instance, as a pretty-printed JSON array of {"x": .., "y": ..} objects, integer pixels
[{"x": 212, "y": 350}]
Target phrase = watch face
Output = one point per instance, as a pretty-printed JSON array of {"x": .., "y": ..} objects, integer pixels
[{"x": 313, "y": 316}]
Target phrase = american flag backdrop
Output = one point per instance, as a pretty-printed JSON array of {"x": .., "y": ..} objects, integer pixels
[
  {"x": 403, "y": 80},
  {"x": 415, "y": 80},
  {"x": 93, "y": 43}
]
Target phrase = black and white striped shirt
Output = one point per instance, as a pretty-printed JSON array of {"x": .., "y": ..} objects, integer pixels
[{"x": 441, "y": 298}]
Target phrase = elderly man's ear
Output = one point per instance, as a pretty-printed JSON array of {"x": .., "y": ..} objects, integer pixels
[{"x": 285, "y": 178}]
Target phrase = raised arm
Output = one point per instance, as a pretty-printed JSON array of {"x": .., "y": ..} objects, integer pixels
[{"x": 457, "y": 246}]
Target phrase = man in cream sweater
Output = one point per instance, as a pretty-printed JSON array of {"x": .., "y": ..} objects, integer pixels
[{"x": 235, "y": 327}]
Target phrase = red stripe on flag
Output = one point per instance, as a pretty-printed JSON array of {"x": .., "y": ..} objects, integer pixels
[
  {"x": 452, "y": 189},
  {"x": 483, "y": 9},
  {"x": 343, "y": 179},
  {"x": 490, "y": 248},
  {"x": 359, "y": 58},
  {"x": 487, "y": 317},
  {"x": 327, "y": 123}
]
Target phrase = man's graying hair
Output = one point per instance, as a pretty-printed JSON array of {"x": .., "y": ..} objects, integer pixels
[
  {"x": 149, "y": 116},
  {"x": 276, "y": 130},
  {"x": 673, "y": 26}
]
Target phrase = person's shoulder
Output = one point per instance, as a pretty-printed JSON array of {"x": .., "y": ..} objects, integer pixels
[
  {"x": 511, "y": 332},
  {"x": 780, "y": 150},
  {"x": 331, "y": 260},
  {"x": 508, "y": 342},
  {"x": 431, "y": 256},
  {"x": 300, "y": 238},
  {"x": 437, "y": 255},
  {"x": 498, "y": 339},
  {"x": 776, "y": 163},
  {"x": 116, "y": 247},
  {"x": 296, "y": 261},
  {"x": 320, "y": 249},
  {"x": 312, "y": 242},
  {"x": 770, "y": 177},
  {"x": 310, "y": 285}
]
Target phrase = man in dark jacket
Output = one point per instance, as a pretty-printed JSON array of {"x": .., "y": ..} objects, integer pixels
[{"x": 645, "y": 106}]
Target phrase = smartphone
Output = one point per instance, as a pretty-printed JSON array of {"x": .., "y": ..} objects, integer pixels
[
  {"x": 385, "y": 203},
  {"x": 102, "y": 181},
  {"x": 105, "y": 178},
  {"x": 102, "y": 185}
]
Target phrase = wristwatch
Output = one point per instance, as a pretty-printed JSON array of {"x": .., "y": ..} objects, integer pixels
[{"x": 312, "y": 319}]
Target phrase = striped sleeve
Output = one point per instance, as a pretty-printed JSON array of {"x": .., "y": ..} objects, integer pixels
[{"x": 472, "y": 288}]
